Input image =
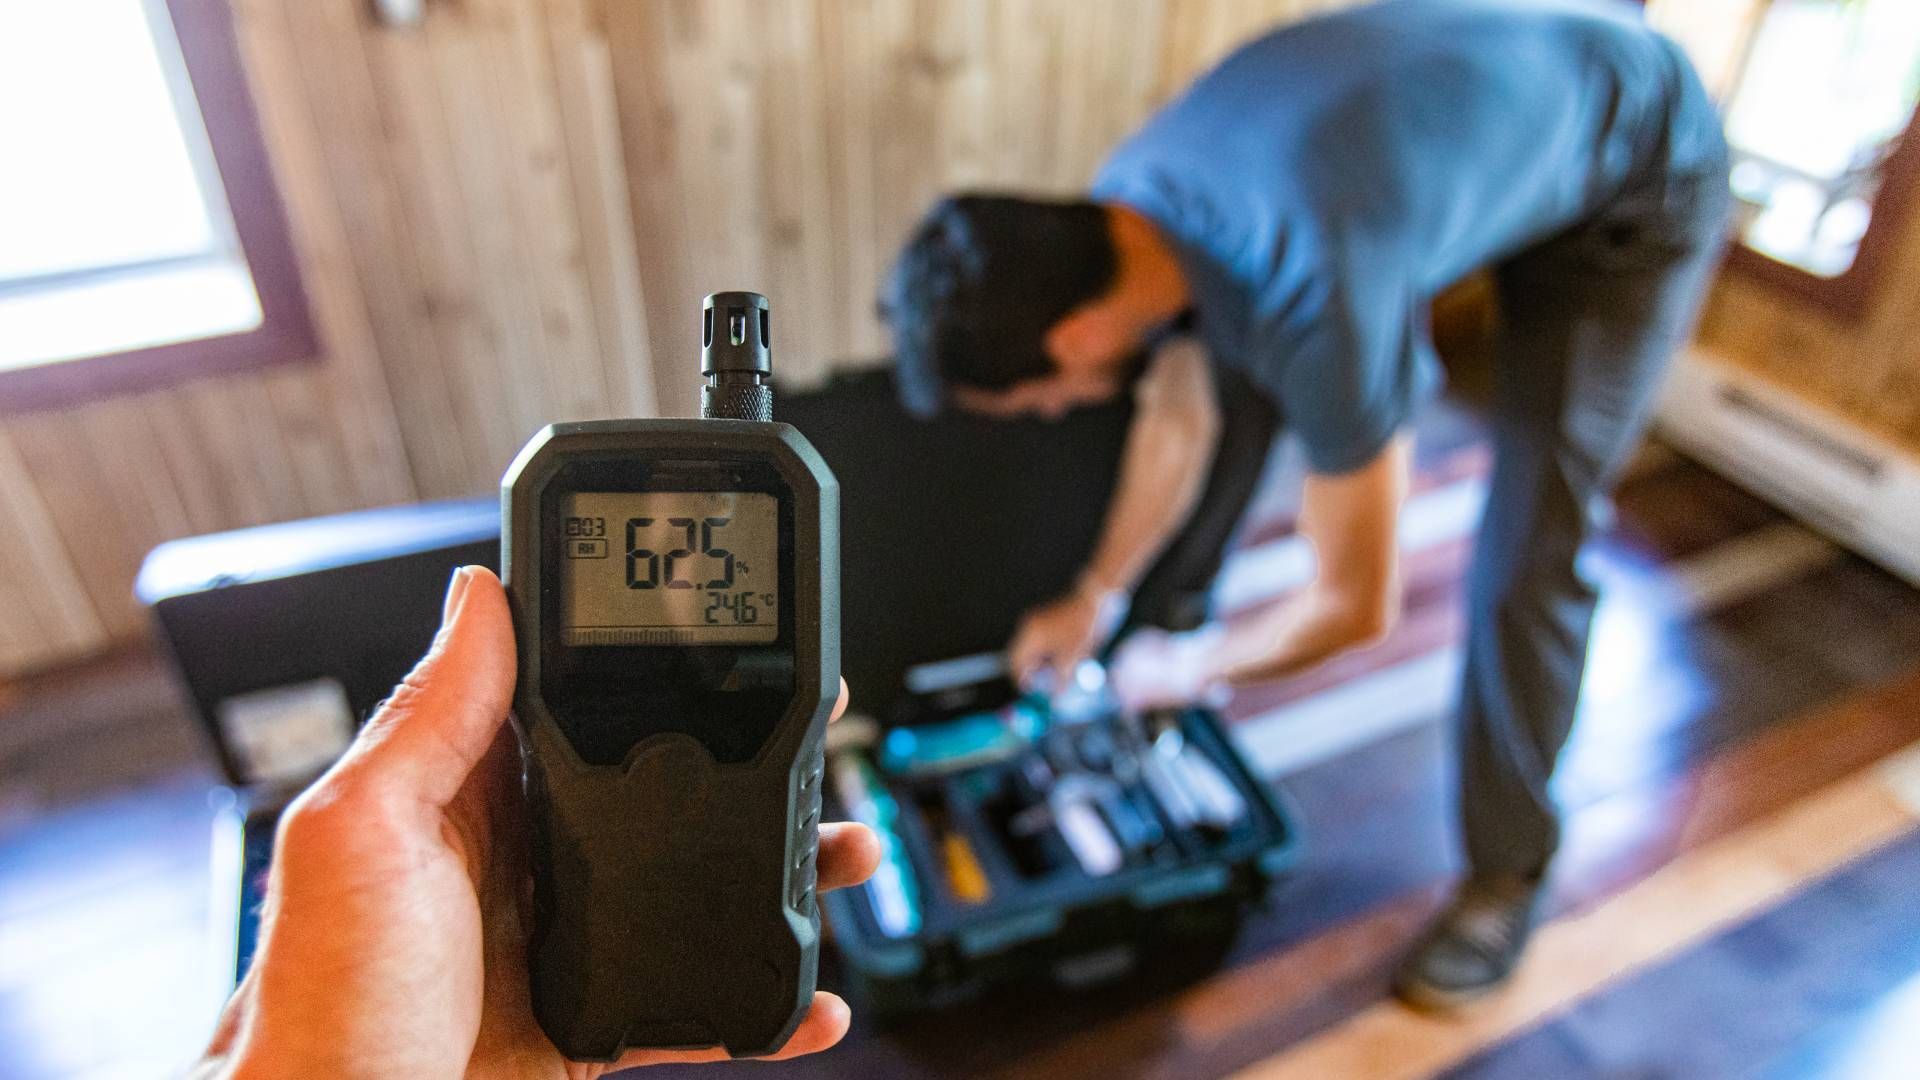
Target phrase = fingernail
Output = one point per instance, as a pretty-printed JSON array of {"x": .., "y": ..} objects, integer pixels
[{"x": 456, "y": 589}]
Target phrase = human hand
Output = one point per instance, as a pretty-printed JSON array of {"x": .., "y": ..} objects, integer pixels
[
  {"x": 394, "y": 935},
  {"x": 1057, "y": 636},
  {"x": 1154, "y": 668}
]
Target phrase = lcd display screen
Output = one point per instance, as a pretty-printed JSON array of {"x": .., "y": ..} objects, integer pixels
[{"x": 670, "y": 568}]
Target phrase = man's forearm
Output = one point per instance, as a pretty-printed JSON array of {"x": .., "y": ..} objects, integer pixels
[
  {"x": 1351, "y": 521},
  {"x": 1169, "y": 449},
  {"x": 1289, "y": 636},
  {"x": 1166, "y": 462}
]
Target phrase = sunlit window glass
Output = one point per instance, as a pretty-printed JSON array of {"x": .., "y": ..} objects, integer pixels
[{"x": 114, "y": 230}]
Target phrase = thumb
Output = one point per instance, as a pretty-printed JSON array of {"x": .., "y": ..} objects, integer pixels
[
  {"x": 427, "y": 737},
  {"x": 1025, "y": 654},
  {"x": 1065, "y": 664}
]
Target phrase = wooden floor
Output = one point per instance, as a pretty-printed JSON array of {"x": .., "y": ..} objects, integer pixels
[{"x": 1734, "y": 896}]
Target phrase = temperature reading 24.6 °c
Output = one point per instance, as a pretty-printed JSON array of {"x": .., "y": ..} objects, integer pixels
[{"x": 656, "y": 568}]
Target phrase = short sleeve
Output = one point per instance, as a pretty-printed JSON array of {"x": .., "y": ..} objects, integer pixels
[{"x": 1356, "y": 372}]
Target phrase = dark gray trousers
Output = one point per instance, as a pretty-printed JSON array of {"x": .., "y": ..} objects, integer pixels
[{"x": 1590, "y": 321}]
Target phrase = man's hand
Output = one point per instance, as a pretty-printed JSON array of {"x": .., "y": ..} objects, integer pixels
[
  {"x": 394, "y": 933},
  {"x": 1170, "y": 445},
  {"x": 1057, "y": 636},
  {"x": 1153, "y": 668}
]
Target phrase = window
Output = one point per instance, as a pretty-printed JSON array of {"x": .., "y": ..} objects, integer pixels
[
  {"x": 141, "y": 240},
  {"x": 1818, "y": 97}
]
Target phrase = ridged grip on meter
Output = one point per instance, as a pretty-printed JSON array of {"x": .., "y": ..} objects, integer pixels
[
  {"x": 737, "y": 402},
  {"x": 675, "y": 899}
]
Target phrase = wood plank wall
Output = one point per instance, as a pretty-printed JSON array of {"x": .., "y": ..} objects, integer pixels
[{"x": 508, "y": 215}]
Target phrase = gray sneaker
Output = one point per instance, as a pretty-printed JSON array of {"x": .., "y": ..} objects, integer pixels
[{"x": 1473, "y": 946}]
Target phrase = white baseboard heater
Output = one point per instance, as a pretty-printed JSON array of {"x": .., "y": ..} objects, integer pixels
[{"x": 1855, "y": 487}]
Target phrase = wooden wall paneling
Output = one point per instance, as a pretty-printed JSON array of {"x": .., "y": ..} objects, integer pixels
[
  {"x": 720, "y": 78},
  {"x": 234, "y": 470},
  {"x": 104, "y": 536},
  {"x": 1086, "y": 31},
  {"x": 794, "y": 200},
  {"x": 667, "y": 123},
  {"x": 1215, "y": 28},
  {"x": 844, "y": 40},
  {"x": 119, "y": 478},
  {"x": 304, "y": 415},
  {"x": 1182, "y": 28},
  {"x": 22, "y": 645},
  {"x": 1116, "y": 92},
  {"x": 48, "y": 615},
  {"x": 705, "y": 224},
  {"x": 220, "y": 443},
  {"x": 205, "y": 501},
  {"x": 955, "y": 53},
  {"x": 903, "y": 162},
  {"x": 80, "y": 478},
  {"x": 583, "y": 74},
  {"x": 711, "y": 175},
  {"x": 907, "y": 155},
  {"x": 548, "y": 364},
  {"x": 1026, "y": 58},
  {"x": 251, "y": 459},
  {"x": 324, "y": 40},
  {"x": 541, "y": 205},
  {"x": 649, "y": 118},
  {"x": 1889, "y": 342},
  {"x": 702, "y": 87},
  {"x": 356, "y": 419},
  {"x": 799, "y": 200},
  {"x": 1798, "y": 347},
  {"x": 849, "y": 206},
  {"x": 1134, "y": 81},
  {"x": 459, "y": 246},
  {"x": 1239, "y": 19},
  {"x": 498, "y": 380},
  {"x": 123, "y": 434},
  {"x": 1214, "y": 37}
]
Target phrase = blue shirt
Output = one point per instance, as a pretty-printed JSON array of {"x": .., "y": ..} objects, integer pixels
[{"x": 1325, "y": 180}]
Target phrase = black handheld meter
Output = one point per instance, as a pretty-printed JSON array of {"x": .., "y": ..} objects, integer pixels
[{"x": 676, "y": 595}]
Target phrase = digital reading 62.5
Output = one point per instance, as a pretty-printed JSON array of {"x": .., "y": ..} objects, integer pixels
[{"x": 670, "y": 568}]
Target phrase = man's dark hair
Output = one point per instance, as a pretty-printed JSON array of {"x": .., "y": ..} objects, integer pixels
[{"x": 976, "y": 289}]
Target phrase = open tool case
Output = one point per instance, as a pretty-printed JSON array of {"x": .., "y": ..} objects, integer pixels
[
  {"x": 952, "y": 528},
  {"x": 994, "y": 907}
]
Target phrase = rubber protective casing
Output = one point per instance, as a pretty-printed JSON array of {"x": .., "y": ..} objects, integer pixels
[{"x": 674, "y": 895}]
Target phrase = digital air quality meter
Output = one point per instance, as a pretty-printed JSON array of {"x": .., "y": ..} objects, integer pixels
[{"x": 675, "y": 590}]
